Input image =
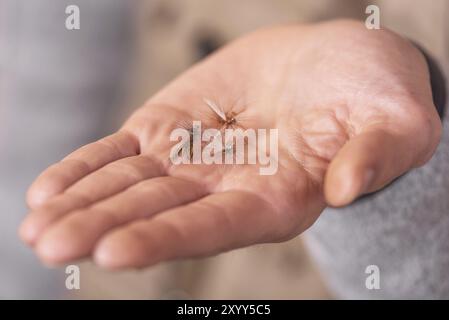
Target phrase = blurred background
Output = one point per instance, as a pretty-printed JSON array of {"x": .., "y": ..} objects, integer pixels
[{"x": 61, "y": 89}]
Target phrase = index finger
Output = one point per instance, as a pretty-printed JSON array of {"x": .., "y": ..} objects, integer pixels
[{"x": 215, "y": 223}]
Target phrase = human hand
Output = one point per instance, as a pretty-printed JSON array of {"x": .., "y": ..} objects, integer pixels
[{"x": 354, "y": 111}]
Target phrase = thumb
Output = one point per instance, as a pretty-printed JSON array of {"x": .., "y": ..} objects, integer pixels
[{"x": 370, "y": 160}]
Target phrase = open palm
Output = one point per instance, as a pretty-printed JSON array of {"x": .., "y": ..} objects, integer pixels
[{"x": 353, "y": 108}]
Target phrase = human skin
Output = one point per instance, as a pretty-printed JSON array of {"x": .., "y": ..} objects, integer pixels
[{"x": 354, "y": 111}]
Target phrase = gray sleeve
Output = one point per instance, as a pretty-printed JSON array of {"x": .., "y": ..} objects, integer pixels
[{"x": 437, "y": 82}]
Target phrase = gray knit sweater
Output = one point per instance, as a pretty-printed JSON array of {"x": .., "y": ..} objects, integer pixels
[{"x": 403, "y": 230}]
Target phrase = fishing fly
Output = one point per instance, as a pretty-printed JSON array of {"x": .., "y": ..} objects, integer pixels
[
  {"x": 227, "y": 120},
  {"x": 227, "y": 143}
]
